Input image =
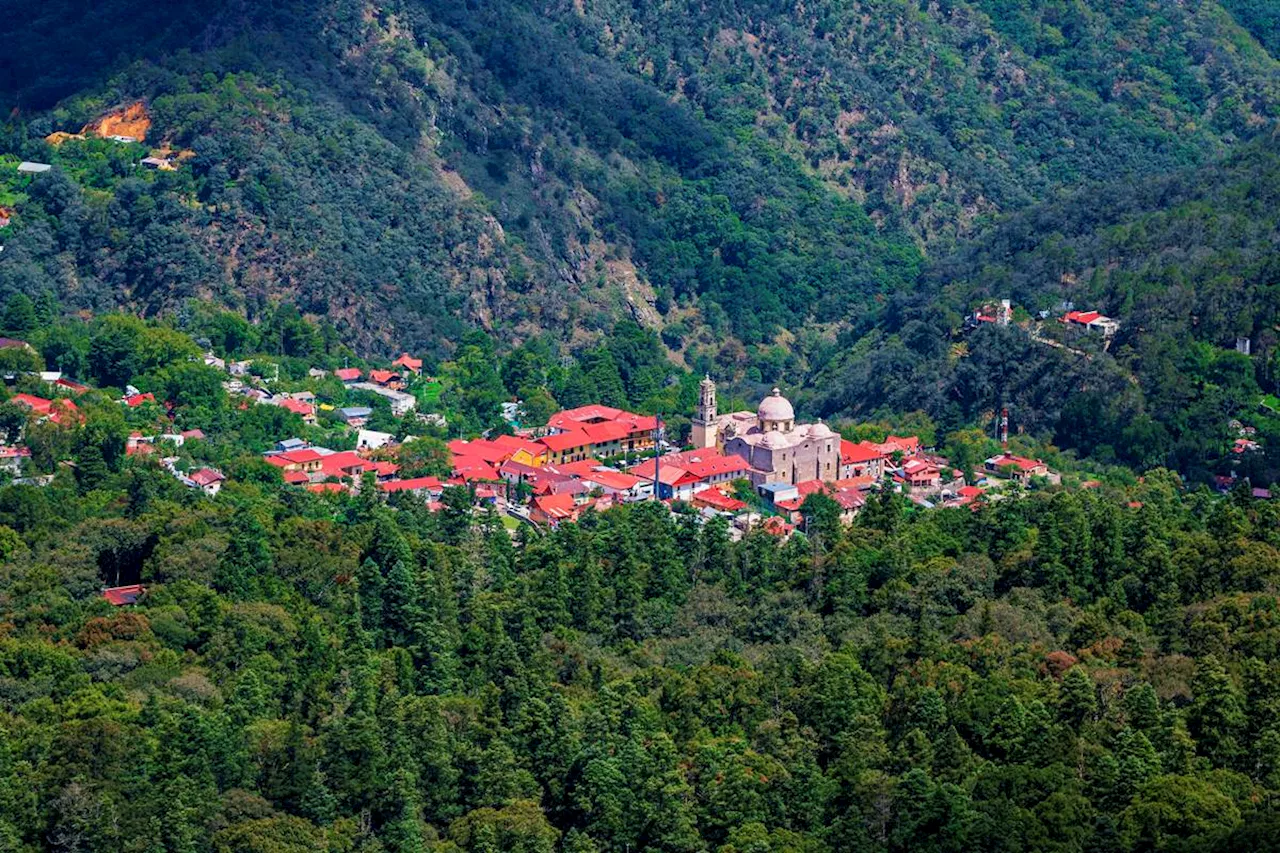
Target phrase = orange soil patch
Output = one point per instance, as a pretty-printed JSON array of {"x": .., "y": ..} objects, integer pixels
[{"x": 130, "y": 121}]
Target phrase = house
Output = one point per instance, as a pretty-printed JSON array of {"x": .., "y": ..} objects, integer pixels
[
  {"x": 6, "y": 216},
  {"x": 711, "y": 468},
  {"x": 717, "y": 500},
  {"x": 1091, "y": 320},
  {"x": 122, "y": 595},
  {"x": 27, "y": 167},
  {"x": 306, "y": 411},
  {"x": 386, "y": 378},
  {"x": 14, "y": 343},
  {"x": 138, "y": 444},
  {"x": 920, "y": 474},
  {"x": 306, "y": 460},
  {"x": 348, "y": 375},
  {"x": 409, "y": 363},
  {"x": 674, "y": 482},
  {"x": 1018, "y": 468},
  {"x": 163, "y": 164},
  {"x": 289, "y": 445},
  {"x": 207, "y": 480},
  {"x": 861, "y": 459},
  {"x": 522, "y": 449},
  {"x": 553, "y": 510},
  {"x": 53, "y": 410},
  {"x": 70, "y": 385},
  {"x": 424, "y": 487},
  {"x": 907, "y": 446},
  {"x": 316, "y": 373},
  {"x": 778, "y": 492},
  {"x": 189, "y": 434},
  {"x": 470, "y": 469},
  {"x": 619, "y": 485},
  {"x": 1245, "y": 445},
  {"x": 133, "y": 401},
  {"x": 371, "y": 439},
  {"x": 355, "y": 416},
  {"x": 11, "y": 459},
  {"x": 211, "y": 360},
  {"x": 401, "y": 403}
]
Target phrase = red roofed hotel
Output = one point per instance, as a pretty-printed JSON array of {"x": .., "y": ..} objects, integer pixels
[{"x": 612, "y": 430}]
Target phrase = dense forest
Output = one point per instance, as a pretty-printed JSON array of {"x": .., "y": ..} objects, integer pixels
[{"x": 1069, "y": 671}]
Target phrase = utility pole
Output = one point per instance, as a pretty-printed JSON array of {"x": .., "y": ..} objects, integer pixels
[{"x": 657, "y": 458}]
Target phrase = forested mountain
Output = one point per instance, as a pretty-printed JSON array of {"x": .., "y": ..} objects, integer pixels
[{"x": 737, "y": 168}]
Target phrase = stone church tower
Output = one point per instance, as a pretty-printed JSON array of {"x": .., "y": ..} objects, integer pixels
[{"x": 705, "y": 425}]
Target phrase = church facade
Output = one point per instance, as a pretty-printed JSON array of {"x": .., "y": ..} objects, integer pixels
[{"x": 775, "y": 447}]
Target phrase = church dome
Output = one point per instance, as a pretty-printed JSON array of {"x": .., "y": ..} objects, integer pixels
[
  {"x": 820, "y": 430},
  {"x": 775, "y": 407},
  {"x": 773, "y": 441}
]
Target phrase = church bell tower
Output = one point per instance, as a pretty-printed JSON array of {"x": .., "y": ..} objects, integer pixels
[{"x": 704, "y": 417}]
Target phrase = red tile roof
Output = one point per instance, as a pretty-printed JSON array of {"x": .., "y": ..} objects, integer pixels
[
  {"x": 121, "y": 595},
  {"x": 717, "y": 499},
  {"x": 295, "y": 478},
  {"x": 1082, "y": 317},
  {"x": 135, "y": 400},
  {"x": 382, "y": 377},
  {"x": 472, "y": 468},
  {"x": 480, "y": 448},
  {"x": 430, "y": 484},
  {"x": 327, "y": 487},
  {"x": 606, "y": 432},
  {"x": 408, "y": 362},
  {"x": 855, "y": 453},
  {"x": 298, "y": 407},
  {"x": 567, "y": 441},
  {"x": 616, "y": 480},
  {"x": 206, "y": 477},
  {"x": 348, "y": 373},
  {"x": 556, "y": 506},
  {"x": 716, "y": 465}
]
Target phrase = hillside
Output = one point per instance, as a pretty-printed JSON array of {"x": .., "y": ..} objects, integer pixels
[
  {"x": 414, "y": 169},
  {"x": 1187, "y": 261}
]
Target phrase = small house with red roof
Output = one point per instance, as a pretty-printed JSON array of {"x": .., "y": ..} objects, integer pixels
[
  {"x": 409, "y": 363},
  {"x": 387, "y": 379},
  {"x": 119, "y": 596},
  {"x": 1091, "y": 320},
  {"x": 207, "y": 480},
  {"x": 306, "y": 411},
  {"x": 348, "y": 375},
  {"x": 135, "y": 400},
  {"x": 1017, "y": 468},
  {"x": 554, "y": 510},
  {"x": 717, "y": 500}
]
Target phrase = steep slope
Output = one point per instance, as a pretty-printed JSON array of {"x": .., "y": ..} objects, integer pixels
[{"x": 743, "y": 169}]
